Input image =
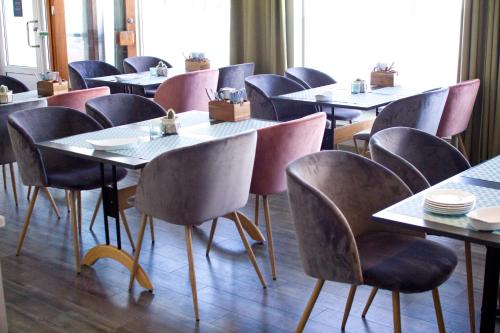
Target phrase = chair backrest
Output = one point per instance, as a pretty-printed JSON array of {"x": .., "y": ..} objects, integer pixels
[
  {"x": 333, "y": 195},
  {"x": 79, "y": 71},
  {"x": 418, "y": 158},
  {"x": 422, "y": 111},
  {"x": 234, "y": 76},
  {"x": 141, "y": 64},
  {"x": 6, "y": 152},
  {"x": 28, "y": 127},
  {"x": 191, "y": 185},
  {"x": 458, "y": 108},
  {"x": 281, "y": 144},
  {"x": 76, "y": 99},
  {"x": 13, "y": 84},
  {"x": 121, "y": 109},
  {"x": 263, "y": 86},
  {"x": 309, "y": 77},
  {"x": 186, "y": 92}
]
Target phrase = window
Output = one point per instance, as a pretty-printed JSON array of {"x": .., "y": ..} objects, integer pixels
[
  {"x": 347, "y": 38},
  {"x": 173, "y": 28}
]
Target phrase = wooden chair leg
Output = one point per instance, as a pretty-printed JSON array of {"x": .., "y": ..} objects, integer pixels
[
  {"x": 66, "y": 194},
  {"x": 52, "y": 202},
  {"x": 29, "y": 193},
  {"x": 192, "y": 275},
  {"x": 470, "y": 287},
  {"x": 137, "y": 250},
  {"x": 309, "y": 306},
  {"x": 356, "y": 148},
  {"x": 13, "y": 180},
  {"x": 211, "y": 237},
  {"x": 439, "y": 312},
  {"x": 365, "y": 149},
  {"x": 127, "y": 228},
  {"x": 256, "y": 216},
  {"x": 249, "y": 250},
  {"x": 74, "y": 222},
  {"x": 369, "y": 302},
  {"x": 152, "y": 229},
  {"x": 27, "y": 220},
  {"x": 79, "y": 199},
  {"x": 461, "y": 146},
  {"x": 348, "y": 305},
  {"x": 4, "y": 177},
  {"x": 396, "y": 312},
  {"x": 269, "y": 231},
  {"x": 96, "y": 210}
]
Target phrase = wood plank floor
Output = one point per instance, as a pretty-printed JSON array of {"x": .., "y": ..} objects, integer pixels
[{"x": 44, "y": 294}]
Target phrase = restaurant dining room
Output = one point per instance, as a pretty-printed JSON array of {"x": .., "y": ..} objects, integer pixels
[{"x": 250, "y": 166}]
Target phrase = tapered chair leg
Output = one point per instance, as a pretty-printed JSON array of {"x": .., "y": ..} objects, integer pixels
[
  {"x": 211, "y": 237},
  {"x": 461, "y": 146},
  {"x": 29, "y": 193},
  {"x": 96, "y": 210},
  {"x": 27, "y": 220},
  {"x": 137, "y": 250},
  {"x": 192, "y": 275},
  {"x": 152, "y": 229},
  {"x": 269, "y": 231},
  {"x": 309, "y": 306},
  {"x": 74, "y": 222},
  {"x": 66, "y": 194},
  {"x": 396, "y": 312},
  {"x": 256, "y": 216},
  {"x": 470, "y": 287},
  {"x": 4, "y": 177},
  {"x": 348, "y": 305},
  {"x": 356, "y": 148},
  {"x": 13, "y": 180},
  {"x": 439, "y": 312},
  {"x": 369, "y": 302},
  {"x": 249, "y": 250},
  {"x": 52, "y": 202},
  {"x": 127, "y": 228},
  {"x": 79, "y": 200}
]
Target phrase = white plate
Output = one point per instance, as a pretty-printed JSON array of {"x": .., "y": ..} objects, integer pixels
[
  {"x": 446, "y": 212},
  {"x": 113, "y": 144},
  {"x": 470, "y": 205},
  {"x": 450, "y": 198},
  {"x": 486, "y": 218},
  {"x": 127, "y": 77},
  {"x": 324, "y": 97}
]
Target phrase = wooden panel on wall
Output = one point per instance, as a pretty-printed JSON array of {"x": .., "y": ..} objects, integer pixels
[
  {"x": 130, "y": 21},
  {"x": 57, "y": 37}
]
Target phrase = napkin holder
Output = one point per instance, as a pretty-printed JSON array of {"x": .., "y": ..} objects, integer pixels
[
  {"x": 170, "y": 123},
  {"x": 50, "y": 88},
  {"x": 225, "y": 111}
]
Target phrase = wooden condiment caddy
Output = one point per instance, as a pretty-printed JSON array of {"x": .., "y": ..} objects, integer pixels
[
  {"x": 383, "y": 79},
  {"x": 50, "y": 88},
  {"x": 225, "y": 111}
]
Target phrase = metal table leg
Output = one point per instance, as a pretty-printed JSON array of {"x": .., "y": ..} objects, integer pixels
[{"x": 490, "y": 289}]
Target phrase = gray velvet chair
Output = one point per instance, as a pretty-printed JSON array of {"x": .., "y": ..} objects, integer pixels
[
  {"x": 43, "y": 169},
  {"x": 142, "y": 64},
  {"x": 191, "y": 185},
  {"x": 422, "y": 111},
  {"x": 80, "y": 71},
  {"x": 121, "y": 109},
  {"x": 422, "y": 160},
  {"x": 13, "y": 84},
  {"x": 313, "y": 78},
  {"x": 332, "y": 197},
  {"x": 234, "y": 76}
]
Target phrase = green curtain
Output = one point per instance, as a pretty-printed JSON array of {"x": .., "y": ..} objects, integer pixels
[
  {"x": 480, "y": 58},
  {"x": 262, "y": 32}
]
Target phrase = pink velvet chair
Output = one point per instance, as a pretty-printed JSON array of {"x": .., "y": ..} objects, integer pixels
[
  {"x": 186, "y": 92},
  {"x": 76, "y": 99},
  {"x": 458, "y": 110},
  {"x": 276, "y": 147}
]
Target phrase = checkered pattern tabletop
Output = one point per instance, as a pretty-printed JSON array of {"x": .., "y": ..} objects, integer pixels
[
  {"x": 489, "y": 170},
  {"x": 413, "y": 207}
]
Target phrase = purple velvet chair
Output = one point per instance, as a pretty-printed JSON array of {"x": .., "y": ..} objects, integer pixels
[
  {"x": 80, "y": 71},
  {"x": 458, "y": 110},
  {"x": 333, "y": 195},
  {"x": 191, "y": 185},
  {"x": 276, "y": 147},
  {"x": 43, "y": 169},
  {"x": 186, "y": 92},
  {"x": 13, "y": 84},
  {"x": 422, "y": 160},
  {"x": 234, "y": 76},
  {"x": 312, "y": 78},
  {"x": 142, "y": 64},
  {"x": 76, "y": 99}
]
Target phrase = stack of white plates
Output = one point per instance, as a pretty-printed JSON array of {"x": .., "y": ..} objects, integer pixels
[{"x": 449, "y": 202}]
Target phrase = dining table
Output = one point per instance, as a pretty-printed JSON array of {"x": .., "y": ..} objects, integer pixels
[
  {"x": 195, "y": 127},
  {"x": 22, "y": 97},
  {"x": 483, "y": 181},
  {"x": 341, "y": 97}
]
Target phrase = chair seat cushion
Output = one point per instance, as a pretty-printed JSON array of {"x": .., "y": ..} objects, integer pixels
[
  {"x": 84, "y": 178},
  {"x": 404, "y": 263},
  {"x": 362, "y": 136},
  {"x": 346, "y": 114}
]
